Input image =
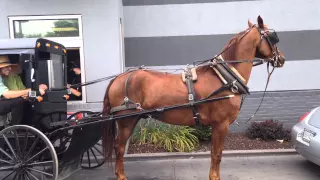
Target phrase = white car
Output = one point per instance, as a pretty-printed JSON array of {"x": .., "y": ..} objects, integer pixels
[{"x": 305, "y": 136}]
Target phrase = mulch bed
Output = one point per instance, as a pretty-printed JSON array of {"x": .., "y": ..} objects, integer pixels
[{"x": 234, "y": 141}]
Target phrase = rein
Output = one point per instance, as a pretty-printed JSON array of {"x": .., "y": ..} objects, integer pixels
[{"x": 265, "y": 89}]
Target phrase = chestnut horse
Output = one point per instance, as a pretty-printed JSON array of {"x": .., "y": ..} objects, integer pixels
[{"x": 152, "y": 89}]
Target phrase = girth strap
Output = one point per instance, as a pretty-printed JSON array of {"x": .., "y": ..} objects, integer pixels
[
  {"x": 127, "y": 103},
  {"x": 191, "y": 93}
]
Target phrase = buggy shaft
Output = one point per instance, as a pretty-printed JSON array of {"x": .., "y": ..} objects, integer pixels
[{"x": 93, "y": 120}]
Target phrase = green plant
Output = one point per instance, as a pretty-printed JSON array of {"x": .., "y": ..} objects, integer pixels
[
  {"x": 268, "y": 130},
  {"x": 203, "y": 133},
  {"x": 171, "y": 137}
]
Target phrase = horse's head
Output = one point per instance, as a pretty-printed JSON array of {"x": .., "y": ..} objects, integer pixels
[{"x": 267, "y": 45}]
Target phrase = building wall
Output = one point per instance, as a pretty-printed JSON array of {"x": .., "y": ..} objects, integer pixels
[
  {"x": 100, "y": 33},
  {"x": 172, "y": 33}
]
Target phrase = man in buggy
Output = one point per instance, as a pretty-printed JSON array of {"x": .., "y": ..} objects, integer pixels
[{"x": 13, "y": 92}]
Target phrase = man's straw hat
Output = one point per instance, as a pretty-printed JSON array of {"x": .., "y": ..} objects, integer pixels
[{"x": 4, "y": 61}]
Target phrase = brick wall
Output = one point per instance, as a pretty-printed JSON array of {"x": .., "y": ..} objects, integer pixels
[{"x": 286, "y": 106}]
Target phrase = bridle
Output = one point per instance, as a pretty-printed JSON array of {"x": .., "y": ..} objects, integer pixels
[{"x": 272, "y": 39}]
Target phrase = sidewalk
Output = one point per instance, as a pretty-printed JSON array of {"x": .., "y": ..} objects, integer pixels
[{"x": 263, "y": 167}]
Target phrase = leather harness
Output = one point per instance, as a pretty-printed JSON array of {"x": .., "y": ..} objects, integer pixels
[{"x": 229, "y": 76}]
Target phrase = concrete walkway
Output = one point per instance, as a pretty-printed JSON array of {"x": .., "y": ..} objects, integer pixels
[{"x": 267, "y": 167}]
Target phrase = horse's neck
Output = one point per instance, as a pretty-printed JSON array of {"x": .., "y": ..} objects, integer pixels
[{"x": 245, "y": 50}]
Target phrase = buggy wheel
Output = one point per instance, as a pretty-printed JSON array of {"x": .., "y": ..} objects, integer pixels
[
  {"x": 93, "y": 157},
  {"x": 26, "y": 153}
]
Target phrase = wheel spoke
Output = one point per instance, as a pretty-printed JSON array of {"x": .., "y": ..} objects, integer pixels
[
  {"x": 40, "y": 152},
  {"x": 94, "y": 155},
  {"x": 98, "y": 150},
  {"x": 99, "y": 144},
  {"x": 6, "y": 168},
  {"x": 40, "y": 163},
  {"x": 88, "y": 158},
  {"x": 32, "y": 175},
  {"x": 8, "y": 175},
  {"x": 26, "y": 176},
  {"x": 31, "y": 148},
  {"x": 15, "y": 176},
  {"x": 25, "y": 143},
  {"x": 4, "y": 161},
  {"x": 9, "y": 145},
  {"x": 5, "y": 153},
  {"x": 41, "y": 172},
  {"x": 81, "y": 158},
  {"x": 17, "y": 144},
  {"x": 20, "y": 176}
]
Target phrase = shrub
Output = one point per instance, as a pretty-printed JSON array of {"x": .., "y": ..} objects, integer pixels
[
  {"x": 203, "y": 133},
  {"x": 268, "y": 130},
  {"x": 171, "y": 137}
]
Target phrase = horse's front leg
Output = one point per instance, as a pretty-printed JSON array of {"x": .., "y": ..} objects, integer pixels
[{"x": 219, "y": 132}]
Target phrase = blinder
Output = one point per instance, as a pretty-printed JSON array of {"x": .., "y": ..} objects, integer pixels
[{"x": 273, "y": 37}]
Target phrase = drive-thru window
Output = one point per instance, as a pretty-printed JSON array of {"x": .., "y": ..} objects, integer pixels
[{"x": 65, "y": 29}]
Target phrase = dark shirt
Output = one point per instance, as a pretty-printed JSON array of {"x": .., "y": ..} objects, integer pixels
[{"x": 76, "y": 80}]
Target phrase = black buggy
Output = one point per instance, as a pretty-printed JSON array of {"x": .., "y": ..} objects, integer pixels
[{"x": 38, "y": 148}]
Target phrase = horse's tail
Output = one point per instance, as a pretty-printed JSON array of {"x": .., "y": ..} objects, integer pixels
[{"x": 108, "y": 128}]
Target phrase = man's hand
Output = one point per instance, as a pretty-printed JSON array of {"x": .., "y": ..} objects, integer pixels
[
  {"x": 25, "y": 97},
  {"x": 42, "y": 89},
  {"x": 43, "y": 86}
]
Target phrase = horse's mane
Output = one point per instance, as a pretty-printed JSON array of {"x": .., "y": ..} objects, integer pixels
[{"x": 229, "y": 50}]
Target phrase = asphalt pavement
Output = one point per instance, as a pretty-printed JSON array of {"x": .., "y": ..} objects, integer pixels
[{"x": 270, "y": 167}]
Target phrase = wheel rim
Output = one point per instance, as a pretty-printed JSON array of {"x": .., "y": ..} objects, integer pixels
[
  {"x": 92, "y": 158},
  {"x": 26, "y": 153}
]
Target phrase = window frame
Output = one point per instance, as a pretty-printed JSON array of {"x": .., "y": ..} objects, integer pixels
[{"x": 47, "y": 17}]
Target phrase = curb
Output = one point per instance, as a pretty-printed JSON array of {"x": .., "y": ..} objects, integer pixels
[{"x": 201, "y": 155}]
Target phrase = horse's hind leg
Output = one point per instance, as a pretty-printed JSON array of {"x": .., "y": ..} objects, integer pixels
[
  {"x": 219, "y": 132},
  {"x": 125, "y": 129}
]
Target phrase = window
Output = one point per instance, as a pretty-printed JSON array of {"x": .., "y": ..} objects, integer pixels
[
  {"x": 46, "y": 28},
  {"x": 64, "y": 29}
]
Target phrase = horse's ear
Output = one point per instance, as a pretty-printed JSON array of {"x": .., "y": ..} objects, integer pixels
[
  {"x": 260, "y": 22},
  {"x": 250, "y": 23}
]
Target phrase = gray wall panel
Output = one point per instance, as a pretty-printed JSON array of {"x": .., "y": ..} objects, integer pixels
[
  {"x": 164, "y": 2},
  {"x": 180, "y": 50},
  {"x": 220, "y": 18}
]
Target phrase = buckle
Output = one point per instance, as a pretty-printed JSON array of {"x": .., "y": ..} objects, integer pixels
[
  {"x": 32, "y": 94},
  {"x": 191, "y": 98},
  {"x": 234, "y": 88}
]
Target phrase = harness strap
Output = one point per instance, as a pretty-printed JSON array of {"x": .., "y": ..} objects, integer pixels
[
  {"x": 229, "y": 75},
  {"x": 127, "y": 104},
  {"x": 124, "y": 107},
  {"x": 191, "y": 94}
]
